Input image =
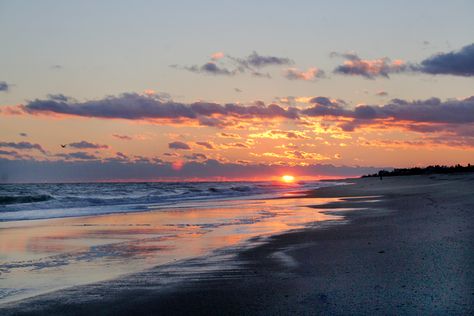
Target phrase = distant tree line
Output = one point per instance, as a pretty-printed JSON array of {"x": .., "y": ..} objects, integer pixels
[{"x": 418, "y": 171}]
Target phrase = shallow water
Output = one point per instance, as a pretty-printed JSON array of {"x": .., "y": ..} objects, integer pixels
[{"x": 37, "y": 256}]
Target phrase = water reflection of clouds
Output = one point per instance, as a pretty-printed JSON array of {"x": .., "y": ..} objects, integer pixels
[{"x": 72, "y": 251}]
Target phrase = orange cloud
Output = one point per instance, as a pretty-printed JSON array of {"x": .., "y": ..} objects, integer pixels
[
  {"x": 280, "y": 134},
  {"x": 311, "y": 74},
  {"x": 217, "y": 55}
]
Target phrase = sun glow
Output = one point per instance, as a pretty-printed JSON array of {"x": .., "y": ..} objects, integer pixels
[{"x": 287, "y": 178}]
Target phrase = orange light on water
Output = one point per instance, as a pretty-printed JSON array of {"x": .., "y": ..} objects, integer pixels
[{"x": 287, "y": 178}]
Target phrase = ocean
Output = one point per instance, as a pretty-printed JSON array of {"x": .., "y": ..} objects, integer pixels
[{"x": 42, "y": 201}]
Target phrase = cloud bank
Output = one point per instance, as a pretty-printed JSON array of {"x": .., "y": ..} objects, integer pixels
[
  {"x": 91, "y": 170},
  {"x": 456, "y": 63}
]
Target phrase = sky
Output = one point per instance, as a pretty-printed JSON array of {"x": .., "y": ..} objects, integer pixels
[{"x": 222, "y": 90}]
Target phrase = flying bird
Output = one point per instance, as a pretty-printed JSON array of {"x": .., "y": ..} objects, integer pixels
[{"x": 63, "y": 146}]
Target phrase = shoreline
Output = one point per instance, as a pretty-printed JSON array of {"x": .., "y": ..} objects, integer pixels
[
  {"x": 409, "y": 251},
  {"x": 47, "y": 255}
]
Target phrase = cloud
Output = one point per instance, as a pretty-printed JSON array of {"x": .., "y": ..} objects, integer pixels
[
  {"x": 133, "y": 106},
  {"x": 280, "y": 134},
  {"x": 11, "y": 153},
  {"x": 432, "y": 110},
  {"x": 323, "y": 106},
  {"x": 23, "y": 134},
  {"x": 309, "y": 75},
  {"x": 217, "y": 55},
  {"x": 381, "y": 93},
  {"x": 229, "y": 135},
  {"x": 236, "y": 145},
  {"x": 456, "y": 63},
  {"x": 237, "y": 90},
  {"x": 294, "y": 155},
  {"x": 87, "y": 145},
  {"x": 80, "y": 155},
  {"x": 370, "y": 69},
  {"x": 4, "y": 86},
  {"x": 299, "y": 154},
  {"x": 205, "y": 144},
  {"x": 178, "y": 145},
  {"x": 119, "y": 158},
  {"x": 154, "y": 110},
  {"x": 171, "y": 154},
  {"x": 259, "y": 61},
  {"x": 424, "y": 116},
  {"x": 23, "y": 146},
  {"x": 226, "y": 65},
  {"x": 196, "y": 156},
  {"x": 93, "y": 170},
  {"x": 122, "y": 137},
  {"x": 210, "y": 68}
]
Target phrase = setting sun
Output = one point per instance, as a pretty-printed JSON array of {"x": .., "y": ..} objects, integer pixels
[{"x": 287, "y": 178}]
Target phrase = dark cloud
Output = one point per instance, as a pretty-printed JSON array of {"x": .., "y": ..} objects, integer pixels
[
  {"x": 236, "y": 145},
  {"x": 23, "y": 134},
  {"x": 196, "y": 156},
  {"x": 235, "y": 65},
  {"x": 369, "y": 69},
  {"x": 229, "y": 135},
  {"x": 119, "y": 157},
  {"x": 456, "y": 63},
  {"x": 12, "y": 153},
  {"x": 178, "y": 145},
  {"x": 134, "y": 106},
  {"x": 78, "y": 155},
  {"x": 23, "y": 146},
  {"x": 256, "y": 60},
  {"x": 122, "y": 137},
  {"x": 4, "y": 86},
  {"x": 381, "y": 94},
  {"x": 171, "y": 154},
  {"x": 87, "y": 145},
  {"x": 421, "y": 114},
  {"x": 210, "y": 68},
  {"x": 237, "y": 90},
  {"x": 205, "y": 144},
  {"x": 322, "y": 106},
  {"x": 430, "y": 111},
  {"x": 365, "y": 112},
  {"x": 60, "y": 98},
  {"x": 90, "y": 170}
]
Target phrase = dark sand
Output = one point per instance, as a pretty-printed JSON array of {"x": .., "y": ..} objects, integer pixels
[{"x": 411, "y": 252}]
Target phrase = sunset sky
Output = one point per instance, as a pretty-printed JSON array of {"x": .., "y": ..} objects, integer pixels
[{"x": 179, "y": 90}]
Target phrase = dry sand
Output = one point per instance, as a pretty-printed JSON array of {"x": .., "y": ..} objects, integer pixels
[{"x": 409, "y": 252}]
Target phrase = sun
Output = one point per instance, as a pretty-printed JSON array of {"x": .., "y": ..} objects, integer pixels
[{"x": 287, "y": 178}]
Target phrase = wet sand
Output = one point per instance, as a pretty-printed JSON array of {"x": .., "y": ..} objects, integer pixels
[{"x": 409, "y": 251}]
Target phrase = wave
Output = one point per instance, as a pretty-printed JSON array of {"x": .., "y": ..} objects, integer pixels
[
  {"x": 20, "y": 199},
  {"x": 34, "y": 201}
]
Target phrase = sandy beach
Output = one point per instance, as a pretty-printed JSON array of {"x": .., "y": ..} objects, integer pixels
[{"x": 406, "y": 249}]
